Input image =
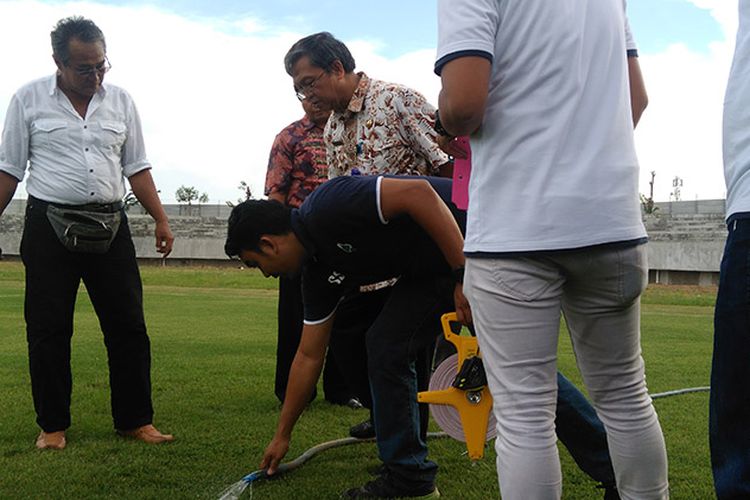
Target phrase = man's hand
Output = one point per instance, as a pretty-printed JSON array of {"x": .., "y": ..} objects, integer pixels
[
  {"x": 275, "y": 452},
  {"x": 463, "y": 310},
  {"x": 8, "y": 185},
  {"x": 303, "y": 375},
  {"x": 164, "y": 238},
  {"x": 450, "y": 146},
  {"x": 144, "y": 189}
]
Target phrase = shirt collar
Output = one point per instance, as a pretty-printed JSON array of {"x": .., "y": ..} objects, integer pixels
[
  {"x": 53, "y": 88},
  {"x": 357, "y": 101},
  {"x": 52, "y": 84},
  {"x": 308, "y": 124}
]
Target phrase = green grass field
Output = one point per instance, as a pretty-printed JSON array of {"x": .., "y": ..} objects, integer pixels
[{"x": 213, "y": 346}]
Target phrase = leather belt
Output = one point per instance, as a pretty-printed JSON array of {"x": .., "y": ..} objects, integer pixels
[{"x": 88, "y": 207}]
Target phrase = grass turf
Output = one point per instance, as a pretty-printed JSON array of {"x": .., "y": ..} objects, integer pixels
[{"x": 213, "y": 347}]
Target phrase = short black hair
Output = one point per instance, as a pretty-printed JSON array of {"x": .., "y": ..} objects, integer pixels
[
  {"x": 323, "y": 49},
  {"x": 252, "y": 219},
  {"x": 74, "y": 27}
]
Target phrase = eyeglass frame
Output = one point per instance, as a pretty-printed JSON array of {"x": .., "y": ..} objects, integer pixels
[
  {"x": 100, "y": 69},
  {"x": 301, "y": 93}
]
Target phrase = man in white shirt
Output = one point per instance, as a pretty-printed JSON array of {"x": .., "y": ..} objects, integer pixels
[
  {"x": 554, "y": 225},
  {"x": 79, "y": 138},
  {"x": 729, "y": 407}
]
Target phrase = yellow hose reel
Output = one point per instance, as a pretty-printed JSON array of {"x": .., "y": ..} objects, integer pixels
[{"x": 465, "y": 415}]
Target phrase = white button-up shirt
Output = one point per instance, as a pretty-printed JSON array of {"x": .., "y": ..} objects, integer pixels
[{"x": 72, "y": 160}]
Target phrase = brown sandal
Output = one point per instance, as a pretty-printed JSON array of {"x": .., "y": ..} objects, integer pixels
[
  {"x": 148, "y": 434},
  {"x": 51, "y": 440}
]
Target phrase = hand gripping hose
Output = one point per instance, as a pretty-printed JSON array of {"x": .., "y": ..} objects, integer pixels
[{"x": 234, "y": 491}]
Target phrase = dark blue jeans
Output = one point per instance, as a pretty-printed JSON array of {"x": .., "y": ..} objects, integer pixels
[
  {"x": 582, "y": 433},
  {"x": 398, "y": 343},
  {"x": 729, "y": 404}
]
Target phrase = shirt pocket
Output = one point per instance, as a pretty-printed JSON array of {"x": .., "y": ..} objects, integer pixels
[
  {"x": 113, "y": 135},
  {"x": 48, "y": 133}
]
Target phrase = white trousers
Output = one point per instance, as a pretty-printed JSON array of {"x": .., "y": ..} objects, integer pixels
[{"x": 516, "y": 304}]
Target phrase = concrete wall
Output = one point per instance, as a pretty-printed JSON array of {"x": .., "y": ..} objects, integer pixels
[
  {"x": 686, "y": 237},
  {"x": 686, "y": 241},
  {"x": 703, "y": 207},
  {"x": 199, "y": 231}
]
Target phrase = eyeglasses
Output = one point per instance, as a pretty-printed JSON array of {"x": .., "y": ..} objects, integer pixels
[
  {"x": 304, "y": 90},
  {"x": 99, "y": 69}
]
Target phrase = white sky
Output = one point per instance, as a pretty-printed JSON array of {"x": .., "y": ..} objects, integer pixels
[{"x": 212, "y": 94}]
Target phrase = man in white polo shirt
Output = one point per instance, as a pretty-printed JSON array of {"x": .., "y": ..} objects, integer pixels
[{"x": 554, "y": 224}]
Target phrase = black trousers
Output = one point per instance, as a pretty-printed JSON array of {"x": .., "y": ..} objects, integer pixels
[
  {"x": 290, "y": 319},
  {"x": 113, "y": 282}
]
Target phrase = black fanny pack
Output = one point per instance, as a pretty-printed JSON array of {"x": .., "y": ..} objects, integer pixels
[{"x": 84, "y": 231}]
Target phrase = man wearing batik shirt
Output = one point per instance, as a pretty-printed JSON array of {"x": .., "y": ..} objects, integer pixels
[
  {"x": 386, "y": 128},
  {"x": 296, "y": 166},
  {"x": 376, "y": 127}
]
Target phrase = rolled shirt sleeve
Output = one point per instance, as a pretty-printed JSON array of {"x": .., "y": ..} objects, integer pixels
[
  {"x": 14, "y": 148},
  {"x": 134, "y": 157}
]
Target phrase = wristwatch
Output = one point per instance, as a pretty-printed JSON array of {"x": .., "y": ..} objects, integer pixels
[{"x": 438, "y": 127}]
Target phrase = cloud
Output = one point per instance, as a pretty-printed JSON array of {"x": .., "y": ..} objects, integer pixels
[
  {"x": 211, "y": 96},
  {"x": 680, "y": 133},
  {"x": 212, "y": 92},
  {"x": 414, "y": 69},
  {"x": 725, "y": 13}
]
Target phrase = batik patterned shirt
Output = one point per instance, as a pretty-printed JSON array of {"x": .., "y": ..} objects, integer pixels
[
  {"x": 297, "y": 163},
  {"x": 386, "y": 129}
]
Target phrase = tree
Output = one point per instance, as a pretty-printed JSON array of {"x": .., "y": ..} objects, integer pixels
[
  {"x": 245, "y": 188},
  {"x": 677, "y": 191},
  {"x": 130, "y": 200},
  {"x": 246, "y": 192},
  {"x": 189, "y": 194},
  {"x": 648, "y": 204},
  {"x": 185, "y": 194}
]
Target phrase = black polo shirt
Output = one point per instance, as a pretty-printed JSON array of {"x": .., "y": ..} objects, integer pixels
[{"x": 349, "y": 244}]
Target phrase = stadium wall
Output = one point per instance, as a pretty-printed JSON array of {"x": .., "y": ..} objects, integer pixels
[{"x": 686, "y": 238}]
